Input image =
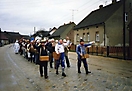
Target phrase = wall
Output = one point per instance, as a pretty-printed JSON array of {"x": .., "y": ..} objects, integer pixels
[{"x": 91, "y": 30}]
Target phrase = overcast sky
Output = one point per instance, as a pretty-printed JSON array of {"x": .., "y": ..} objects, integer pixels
[{"x": 23, "y": 15}]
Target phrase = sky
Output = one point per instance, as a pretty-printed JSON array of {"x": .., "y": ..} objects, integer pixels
[{"x": 23, "y": 15}]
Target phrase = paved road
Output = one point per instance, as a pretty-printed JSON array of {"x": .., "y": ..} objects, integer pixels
[{"x": 108, "y": 74}]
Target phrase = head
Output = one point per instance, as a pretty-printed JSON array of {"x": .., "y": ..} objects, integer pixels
[
  {"x": 64, "y": 40},
  {"x": 43, "y": 42},
  {"x": 61, "y": 41},
  {"x": 81, "y": 42},
  {"x": 56, "y": 41},
  {"x": 67, "y": 38},
  {"x": 52, "y": 40},
  {"x": 38, "y": 41}
]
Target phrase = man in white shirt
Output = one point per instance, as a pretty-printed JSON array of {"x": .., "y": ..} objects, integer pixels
[{"x": 59, "y": 49}]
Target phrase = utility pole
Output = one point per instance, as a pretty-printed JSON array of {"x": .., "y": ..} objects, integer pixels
[
  {"x": 73, "y": 14},
  {"x": 124, "y": 32},
  {"x": 34, "y": 30}
]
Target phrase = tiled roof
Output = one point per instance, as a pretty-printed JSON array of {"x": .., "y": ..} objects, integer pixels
[
  {"x": 63, "y": 28},
  {"x": 99, "y": 16}
]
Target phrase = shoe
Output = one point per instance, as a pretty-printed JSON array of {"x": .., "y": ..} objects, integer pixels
[
  {"x": 68, "y": 66},
  {"x": 63, "y": 74},
  {"x": 57, "y": 72},
  {"x": 41, "y": 75},
  {"x": 46, "y": 77},
  {"x": 88, "y": 72}
]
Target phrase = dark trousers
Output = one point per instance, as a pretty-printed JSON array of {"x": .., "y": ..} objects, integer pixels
[
  {"x": 51, "y": 59},
  {"x": 84, "y": 63},
  {"x": 67, "y": 61},
  {"x": 43, "y": 66},
  {"x": 32, "y": 59}
]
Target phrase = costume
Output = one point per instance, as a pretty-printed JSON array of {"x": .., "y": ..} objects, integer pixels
[
  {"x": 80, "y": 50},
  {"x": 59, "y": 49}
]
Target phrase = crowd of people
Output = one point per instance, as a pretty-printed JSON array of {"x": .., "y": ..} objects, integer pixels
[{"x": 32, "y": 50}]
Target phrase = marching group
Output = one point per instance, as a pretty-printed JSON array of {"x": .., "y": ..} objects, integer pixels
[{"x": 51, "y": 51}]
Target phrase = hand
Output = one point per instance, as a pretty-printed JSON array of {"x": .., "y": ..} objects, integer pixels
[{"x": 81, "y": 54}]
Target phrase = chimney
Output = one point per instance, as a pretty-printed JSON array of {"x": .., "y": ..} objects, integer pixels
[
  {"x": 114, "y": 1},
  {"x": 100, "y": 6}
]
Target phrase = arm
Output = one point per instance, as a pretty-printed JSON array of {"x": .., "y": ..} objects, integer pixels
[
  {"x": 56, "y": 48},
  {"x": 77, "y": 50},
  {"x": 89, "y": 44}
]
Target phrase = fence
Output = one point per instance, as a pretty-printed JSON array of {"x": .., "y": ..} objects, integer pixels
[{"x": 108, "y": 51}]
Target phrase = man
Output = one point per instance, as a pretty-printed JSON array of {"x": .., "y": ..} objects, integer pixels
[
  {"x": 43, "y": 64},
  {"x": 80, "y": 50},
  {"x": 66, "y": 52},
  {"x": 50, "y": 49},
  {"x": 59, "y": 49},
  {"x": 16, "y": 47}
]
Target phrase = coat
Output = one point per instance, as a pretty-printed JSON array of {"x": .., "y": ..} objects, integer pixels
[
  {"x": 43, "y": 52},
  {"x": 16, "y": 47}
]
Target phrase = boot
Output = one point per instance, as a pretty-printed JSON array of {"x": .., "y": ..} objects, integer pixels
[
  {"x": 86, "y": 69},
  {"x": 79, "y": 70},
  {"x": 63, "y": 74},
  {"x": 57, "y": 71}
]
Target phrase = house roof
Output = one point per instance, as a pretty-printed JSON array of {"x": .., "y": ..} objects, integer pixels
[
  {"x": 3, "y": 37},
  {"x": 63, "y": 28},
  {"x": 99, "y": 16},
  {"x": 42, "y": 32},
  {"x": 12, "y": 35}
]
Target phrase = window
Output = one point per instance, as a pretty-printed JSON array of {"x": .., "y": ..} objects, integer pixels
[
  {"x": 77, "y": 38},
  {"x": 88, "y": 36},
  {"x": 84, "y": 37},
  {"x": 97, "y": 36}
]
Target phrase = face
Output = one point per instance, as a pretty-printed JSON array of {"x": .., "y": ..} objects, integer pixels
[
  {"x": 82, "y": 43},
  {"x": 67, "y": 38},
  {"x": 61, "y": 41},
  {"x": 43, "y": 44}
]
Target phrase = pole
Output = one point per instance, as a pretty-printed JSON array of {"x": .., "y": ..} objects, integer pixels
[
  {"x": 73, "y": 14},
  {"x": 34, "y": 30},
  {"x": 0, "y": 35},
  {"x": 124, "y": 39}
]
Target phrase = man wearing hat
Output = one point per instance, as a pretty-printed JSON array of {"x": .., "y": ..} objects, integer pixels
[
  {"x": 43, "y": 64},
  {"x": 80, "y": 50}
]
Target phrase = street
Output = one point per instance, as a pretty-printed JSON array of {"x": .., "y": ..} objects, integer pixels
[{"x": 108, "y": 74}]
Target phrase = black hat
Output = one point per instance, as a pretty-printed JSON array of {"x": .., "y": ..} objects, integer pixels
[{"x": 81, "y": 40}]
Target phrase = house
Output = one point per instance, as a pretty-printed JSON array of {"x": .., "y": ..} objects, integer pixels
[
  {"x": 25, "y": 36},
  {"x": 12, "y": 36},
  {"x": 105, "y": 25},
  {"x": 63, "y": 31},
  {"x": 52, "y": 30},
  {"x": 4, "y": 39},
  {"x": 41, "y": 33}
]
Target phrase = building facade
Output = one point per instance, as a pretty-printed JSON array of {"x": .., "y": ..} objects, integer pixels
[{"x": 105, "y": 25}]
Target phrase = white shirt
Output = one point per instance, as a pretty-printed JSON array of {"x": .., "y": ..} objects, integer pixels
[{"x": 59, "y": 48}]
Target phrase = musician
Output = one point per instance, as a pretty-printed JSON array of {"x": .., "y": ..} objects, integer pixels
[
  {"x": 43, "y": 64},
  {"x": 81, "y": 50},
  {"x": 59, "y": 49}
]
